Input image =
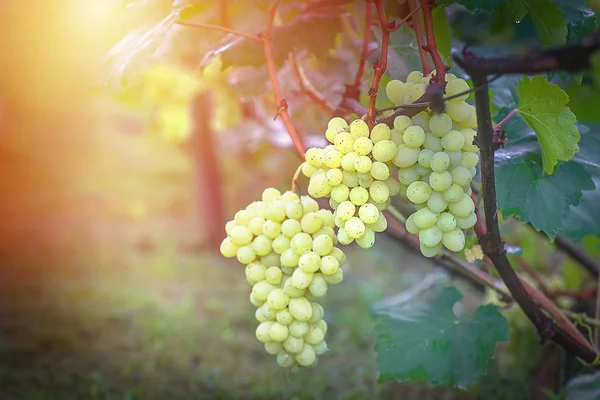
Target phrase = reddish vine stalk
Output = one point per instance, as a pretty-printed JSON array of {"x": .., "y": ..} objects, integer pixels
[
  {"x": 416, "y": 25},
  {"x": 353, "y": 90},
  {"x": 431, "y": 46},
  {"x": 280, "y": 101},
  {"x": 307, "y": 87}
]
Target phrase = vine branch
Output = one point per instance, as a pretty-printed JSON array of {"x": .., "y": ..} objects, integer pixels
[
  {"x": 492, "y": 243},
  {"x": 307, "y": 87},
  {"x": 379, "y": 66},
  {"x": 281, "y": 103},
  {"x": 431, "y": 46},
  {"x": 416, "y": 25}
]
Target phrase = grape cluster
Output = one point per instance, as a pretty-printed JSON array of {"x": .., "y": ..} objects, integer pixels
[
  {"x": 289, "y": 248},
  {"x": 436, "y": 162},
  {"x": 356, "y": 171}
]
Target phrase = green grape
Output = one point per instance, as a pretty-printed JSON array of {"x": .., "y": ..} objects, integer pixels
[
  {"x": 241, "y": 235},
  {"x": 294, "y": 210},
  {"x": 362, "y": 164},
  {"x": 308, "y": 170},
  {"x": 309, "y": 262},
  {"x": 406, "y": 156},
  {"x": 323, "y": 244},
  {"x": 446, "y": 222},
  {"x": 359, "y": 128},
  {"x": 422, "y": 120},
  {"x": 262, "y": 289},
  {"x": 415, "y": 92},
  {"x": 379, "y": 191},
  {"x": 433, "y": 143},
  {"x": 337, "y": 123},
  {"x": 414, "y": 136},
  {"x": 430, "y": 251},
  {"x": 440, "y": 125},
  {"x": 469, "y": 160},
  {"x": 333, "y": 159},
  {"x": 299, "y": 328},
  {"x": 343, "y": 236},
  {"x": 340, "y": 193},
  {"x": 411, "y": 227},
  {"x": 284, "y": 317},
  {"x": 365, "y": 182},
  {"x": 455, "y": 87},
  {"x": 309, "y": 204},
  {"x": 425, "y": 218},
  {"x": 396, "y": 90},
  {"x": 277, "y": 299},
  {"x": 289, "y": 258},
  {"x": 314, "y": 157},
  {"x": 440, "y": 181},
  {"x": 463, "y": 207},
  {"x": 407, "y": 176},
  {"x": 293, "y": 344},
  {"x": 436, "y": 202},
  {"x": 307, "y": 356},
  {"x": 424, "y": 158},
  {"x": 318, "y": 286},
  {"x": 255, "y": 272},
  {"x": 329, "y": 265},
  {"x": 415, "y": 77},
  {"x": 291, "y": 290},
  {"x": 278, "y": 332},
  {"x": 380, "y": 132},
  {"x": 363, "y": 146},
  {"x": 324, "y": 231},
  {"x": 344, "y": 142},
  {"x": 461, "y": 176},
  {"x": 335, "y": 278},
  {"x": 367, "y": 240},
  {"x": 454, "y": 240},
  {"x": 454, "y": 193},
  {"x": 422, "y": 171},
  {"x": 326, "y": 217},
  {"x": 466, "y": 222},
  {"x": 243, "y": 217},
  {"x": 350, "y": 179},
  {"x": 453, "y": 141},
  {"x": 470, "y": 136},
  {"x": 401, "y": 122},
  {"x": 228, "y": 248},
  {"x": 359, "y": 196},
  {"x": 300, "y": 308},
  {"x": 230, "y": 225},
  {"x": 339, "y": 255},
  {"x": 290, "y": 227},
  {"x": 440, "y": 162},
  {"x": 459, "y": 112},
  {"x": 430, "y": 237},
  {"x": 262, "y": 331},
  {"x": 455, "y": 158},
  {"x": 274, "y": 275},
  {"x": 245, "y": 254},
  {"x": 418, "y": 192},
  {"x": 380, "y": 171},
  {"x": 301, "y": 279},
  {"x": 368, "y": 213},
  {"x": 393, "y": 186},
  {"x": 384, "y": 151},
  {"x": 354, "y": 227},
  {"x": 286, "y": 360},
  {"x": 314, "y": 335},
  {"x": 301, "y": 243},
  {"x": 262, "y": 245},
  {"x": 380, "y": 225},
  {"x": 311, "y": 223}
]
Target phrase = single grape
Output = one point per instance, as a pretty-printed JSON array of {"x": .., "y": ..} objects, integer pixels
[
  {"x": 380, "y": 132},
  {"x": 440, "y": 162},
  {"x": 463, "y": 207},
  {"x": 424, "y": 158},
  {"x": 456, "y": 86},
  {"x": 422, "y": 120},
  {"x": 318, "y": 286},
  {"x": 454, "y": 240},
  {"x": 299, "y": 328},
  {"x": 322, "y": 245},
  {"x": 453, "y": 141},
  {"x": 380, "y": 171},
  {"x": 466, "y": 222},
  {"x": 273, "y": 275},
  {"x": 333, "y": 159},
  {"x": 359, "y": 128},
  {"x": 461, "y": 176},
  {"x": 446, "y": 222},
  {"x": 363, "y": 146},
  {"x": 293, "y": 344},
  {"x": 368, "y": 213},
  {"x": 329, "y": 265},
  {"x": 354, "y": 227},
  {"x": 307, "y": 356},
  {"x": 440, "y": 181},
  {"x": 406, "y": 156},
  {"x": 396, "y": 90},
  {"x": 367, "y": 240},
  {"x": 459, "y": 112},
  {"x": 384, "y": 151},
  {"x": 469, "y": 160},
  {"x": 440, "y": 125},
  {"x": 284, "y": 317},
  {"x": 455, "y": 158},
  {"x": 407, "y": 176},
  {"x": 436, "y": 202},
  {"x": 228, "y": 248},
  {"x": 415, "y": 77},
  {"x": 344, "y": 142},
  {"x": 402, "y": 122},
  {"x": 430, "y": 251},
  {"x": 380, "y": 225},
  {"x": 433, "y": 143},
  {"x": 430, "y": 237},
  {"x": 414, "y": 136},
  {"x": 362, "y": 164},
  {"x": 359, "y": 196},
  {"x": 245, "y": 254},
  {"x": 411, "y": 227},
  {"x": 343, "y": 236},
  {"x": 301, "y": 243},
  {"x": 350, "y": 179},
  {"x": 309, "y": 262},
  {"x": 277, "y": 299},
  {"x": 418, "y": 192},
  {"x": 311, "y": 223}
]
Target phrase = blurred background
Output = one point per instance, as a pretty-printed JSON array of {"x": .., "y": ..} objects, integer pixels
[{"x": 109, "y": 287}]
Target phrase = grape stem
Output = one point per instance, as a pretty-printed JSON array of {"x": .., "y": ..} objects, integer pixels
[
  {"x": 431, "y": 46},
  {"x": 493, "y": 245},
  {"x": 306, "y": 86},
  {"x": 505, "y": 119},
  {"x": 353, "y": 90},
  {"x": 219, "y": 28},
  {"x": 416, "y": 25},
  {"x": 296, "y": 180},
  {"x": 282, "y": 107},
  {"x": 380, "y": 66}
]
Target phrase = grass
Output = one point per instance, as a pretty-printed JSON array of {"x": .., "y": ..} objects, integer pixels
[{"x": 112, "y": 299}]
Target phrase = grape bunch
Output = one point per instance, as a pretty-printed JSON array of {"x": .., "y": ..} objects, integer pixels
[
  {"x": 436, "y": 162},
  {"x": 356, "y": 172},
  {"x": 289, "y": 248}
]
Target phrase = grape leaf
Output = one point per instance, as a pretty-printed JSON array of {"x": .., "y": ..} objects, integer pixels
[
  {"x": 474, "y": 5},
  {"x": 543, "y": 106},
  {"x": 442, "y": 32},
  {"x": 313, "y": 29},
  {"x": 571, "y": 211},
  {"x": 547, "y": 18},
  {"x": 421, "y": 339},
  {"x": 583, "y": 387},
  {"x": 542, "y": 200},
  {"x": 580, "y": 19}
]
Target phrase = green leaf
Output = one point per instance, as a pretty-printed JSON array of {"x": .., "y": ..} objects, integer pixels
[
  {"x": 584, "y": 101},
  {"x": 474, "y": 5},
  {"x": 547, "y": 18},
  {"x": 442, "y": 32},
  {"x": 543, "y": 106},
  {"x": 519, "y": 176},
  {"x": 542, "y": 200},
  {"x": 583, "y": 387},
  {"x": 421, "y": 339}
]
